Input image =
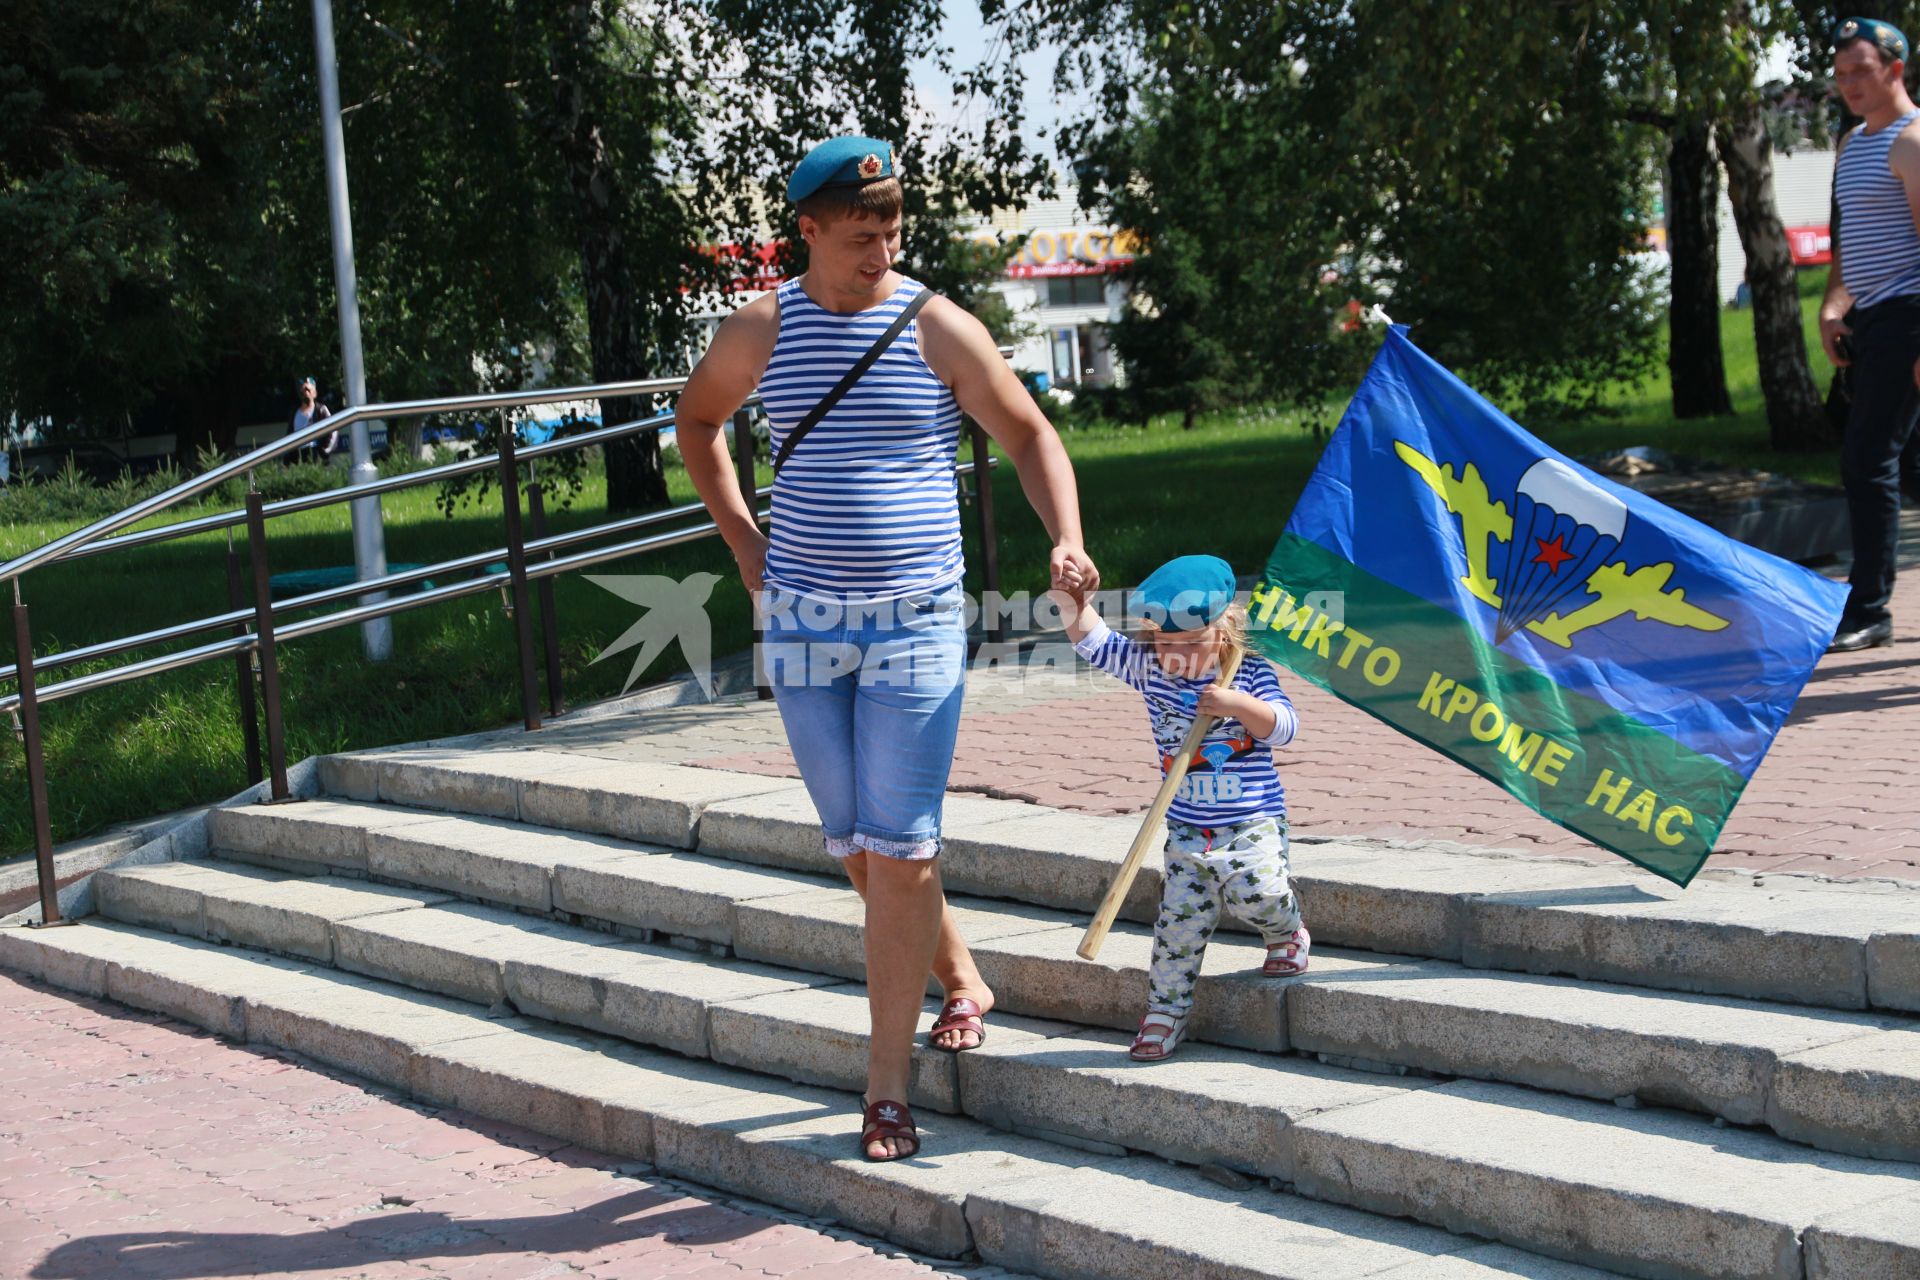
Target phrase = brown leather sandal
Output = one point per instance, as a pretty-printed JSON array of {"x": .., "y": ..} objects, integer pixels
[
  {"x": 959, "y": 1014},
  {"x": 883, "y": 1120}
]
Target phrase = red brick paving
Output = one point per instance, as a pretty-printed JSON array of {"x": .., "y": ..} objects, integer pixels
[
  {"x": 133, "y": 1147},
  {"x": 1839, "y": 794}
]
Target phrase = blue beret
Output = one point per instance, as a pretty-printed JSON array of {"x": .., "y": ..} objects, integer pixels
[
  {"x": 1888, "y": 38},
  {"x": 1186, "y": 593},
  {"x": 841, "y": 162}
]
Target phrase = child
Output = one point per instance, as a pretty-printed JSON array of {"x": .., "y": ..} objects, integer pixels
[{"x": 1227, "y": 826}]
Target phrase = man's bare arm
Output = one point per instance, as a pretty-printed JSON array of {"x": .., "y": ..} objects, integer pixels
[
  {"x": 962, "y": 354},
  {"x": 1835, "y": 302},
  {"x": 720, "y": 384},
  {"x": 1903, "y": 157}
]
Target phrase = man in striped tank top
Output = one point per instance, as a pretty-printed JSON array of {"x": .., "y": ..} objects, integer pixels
[
  {"x": 858, "y": 584},
  {"x": 1873, "y": 304}
]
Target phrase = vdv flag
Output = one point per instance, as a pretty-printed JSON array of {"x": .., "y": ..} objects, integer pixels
[{"x": 1618, "y": 666}]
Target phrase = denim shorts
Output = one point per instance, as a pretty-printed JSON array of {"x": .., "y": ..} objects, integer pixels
[{"x": 870, "y": 695}]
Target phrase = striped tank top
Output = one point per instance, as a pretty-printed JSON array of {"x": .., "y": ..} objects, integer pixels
[
  {"x": 865, "y": 505},
  {"x": 1879, "y": 248}
]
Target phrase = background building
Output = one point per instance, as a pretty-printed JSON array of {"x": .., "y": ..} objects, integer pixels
[{"x": 1064, "y": 287}]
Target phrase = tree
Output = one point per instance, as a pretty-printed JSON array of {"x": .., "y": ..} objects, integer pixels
[
  {"x": 1796, "y": 418},
  {"x": 1510, "y": 224},
  {"x": 1696, "y": 362},
  {"x": 167, "y": 219},
  {"x": 1233, "y": 298},
  {"x": 650, "y": 135},
  {"x": 527, "y": 177},
  {"x": 1485, "y": 191},
  {"x": 136, "y": 264}
]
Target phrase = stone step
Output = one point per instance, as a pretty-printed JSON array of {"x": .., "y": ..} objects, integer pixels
[
  {"x": 1841, "y": 1081},
  {"x": 1793, "y": 939},
  {"x": 1209, "y": 1106},
  {"x": 1013, "y": 1202}
]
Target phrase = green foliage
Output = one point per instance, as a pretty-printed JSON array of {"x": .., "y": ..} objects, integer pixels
[
  {"x": 562, "y": 475},
  {"x": 525, "y": 177},
  {"x": 137, "y": 256},
  {"x": 69, "y": 497},
  {"x": 822, "y": 67},
  {"x": 1231, "y": 297},
  {"x": 1284, "y": 163},
  {"x": 1512, "y": 196}
]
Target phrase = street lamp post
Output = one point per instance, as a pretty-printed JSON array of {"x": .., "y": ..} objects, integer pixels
[{"x": 369, "y": 541}]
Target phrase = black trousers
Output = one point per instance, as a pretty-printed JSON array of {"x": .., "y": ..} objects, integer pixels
[{"x": 1881, "y": 452}]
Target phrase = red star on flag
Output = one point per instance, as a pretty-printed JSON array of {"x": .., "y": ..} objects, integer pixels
[{"x": 1552, "y": 554}]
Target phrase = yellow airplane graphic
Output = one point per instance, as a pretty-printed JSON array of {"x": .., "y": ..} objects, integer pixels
[{"x": 1484, "y": 521}]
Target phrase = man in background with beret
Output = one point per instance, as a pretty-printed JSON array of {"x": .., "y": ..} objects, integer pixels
[
  {"x": 1875, "y": 283},
  {"x": 859, "y": 582}
]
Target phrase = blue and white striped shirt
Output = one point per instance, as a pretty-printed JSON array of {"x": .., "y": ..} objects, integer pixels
[
  {"x": 1879, "y": 248},
  {"x": 1231, "y": 778},
  {"x": 865, "y": 505}
]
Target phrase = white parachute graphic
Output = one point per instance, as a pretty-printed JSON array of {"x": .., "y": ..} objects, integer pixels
[{"x": 1564, "y": 527}]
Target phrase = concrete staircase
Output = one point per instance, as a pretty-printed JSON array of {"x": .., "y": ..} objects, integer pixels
[{"x": 1496, "y": 1067}]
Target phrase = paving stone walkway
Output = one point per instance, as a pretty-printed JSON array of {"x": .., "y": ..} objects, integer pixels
[{"x": 134, "y": 1147}]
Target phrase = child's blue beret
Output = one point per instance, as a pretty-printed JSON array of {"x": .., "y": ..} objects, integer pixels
[
  {"x": 1186, "y": 593},
  {"x": 841, "y": 162}
]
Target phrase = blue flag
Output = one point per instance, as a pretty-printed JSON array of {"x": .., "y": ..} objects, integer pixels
[{"x": 1615, "y": 664}]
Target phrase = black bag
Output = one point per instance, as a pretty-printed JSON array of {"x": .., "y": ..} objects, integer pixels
[{"x": 853, "y": 375}]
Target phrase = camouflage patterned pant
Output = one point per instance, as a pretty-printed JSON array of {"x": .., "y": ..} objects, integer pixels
[{"x": 1243, "y": 866}]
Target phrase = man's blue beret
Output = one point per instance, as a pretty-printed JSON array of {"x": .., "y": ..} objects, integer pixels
[
  {"x": 1186, "y": 593},
  {"x": 1888, "y": 38},
  {"x": 841, "y": 162}
]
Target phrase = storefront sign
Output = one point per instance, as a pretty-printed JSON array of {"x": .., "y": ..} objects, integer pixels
[
  {"x": 1810, "y": 245},
  {"x": 1077, "y": 251}
]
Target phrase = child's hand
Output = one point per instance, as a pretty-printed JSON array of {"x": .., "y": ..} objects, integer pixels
[
  {"x": 1232, "y": 704},
  {"x": 1224, "y": 704},
  {"x": 1076, "y": 611}
]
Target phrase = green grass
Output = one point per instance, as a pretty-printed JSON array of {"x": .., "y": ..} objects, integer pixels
[
  {"x": 1642, "y": 415},
  {"x": 1225, "y": 487}
]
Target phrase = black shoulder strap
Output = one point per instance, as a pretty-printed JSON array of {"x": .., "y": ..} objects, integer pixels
[{"x": 853, "y": 375}]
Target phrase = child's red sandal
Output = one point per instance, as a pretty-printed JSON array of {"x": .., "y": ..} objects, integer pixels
[
  {"x": 1158, "y": 1037},
  {"x": 1289, "y": 959}
]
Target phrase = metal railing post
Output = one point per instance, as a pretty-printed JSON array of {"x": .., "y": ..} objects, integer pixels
[
  {"x": 36, "y": 763},
  {"x": 243, "y": 669},
  {"x": 263, "y": 638},
  {"x": 517, "y": 574},
  {"x": 743, "y": 466},
  {"x": 989, "y": 539},
  {"x": 549, "y": 618}
]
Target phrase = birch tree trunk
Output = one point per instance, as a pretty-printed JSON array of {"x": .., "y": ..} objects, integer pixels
[
  {"x": 1696, "y": 367},
  {"x": 635, "y": 479},
  {"x": 1795, "y": 417}
]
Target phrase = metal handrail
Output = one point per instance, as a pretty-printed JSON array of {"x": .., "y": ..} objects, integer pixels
[
  {"x": 328, "y": 595},
  {"x": 60, "y": 548},
  {"x": 368, "y": 488},
  {"x": 530, "y": 561},
  {"x": 361, "y": 613},
  {"x": 313, "y": 600}
]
